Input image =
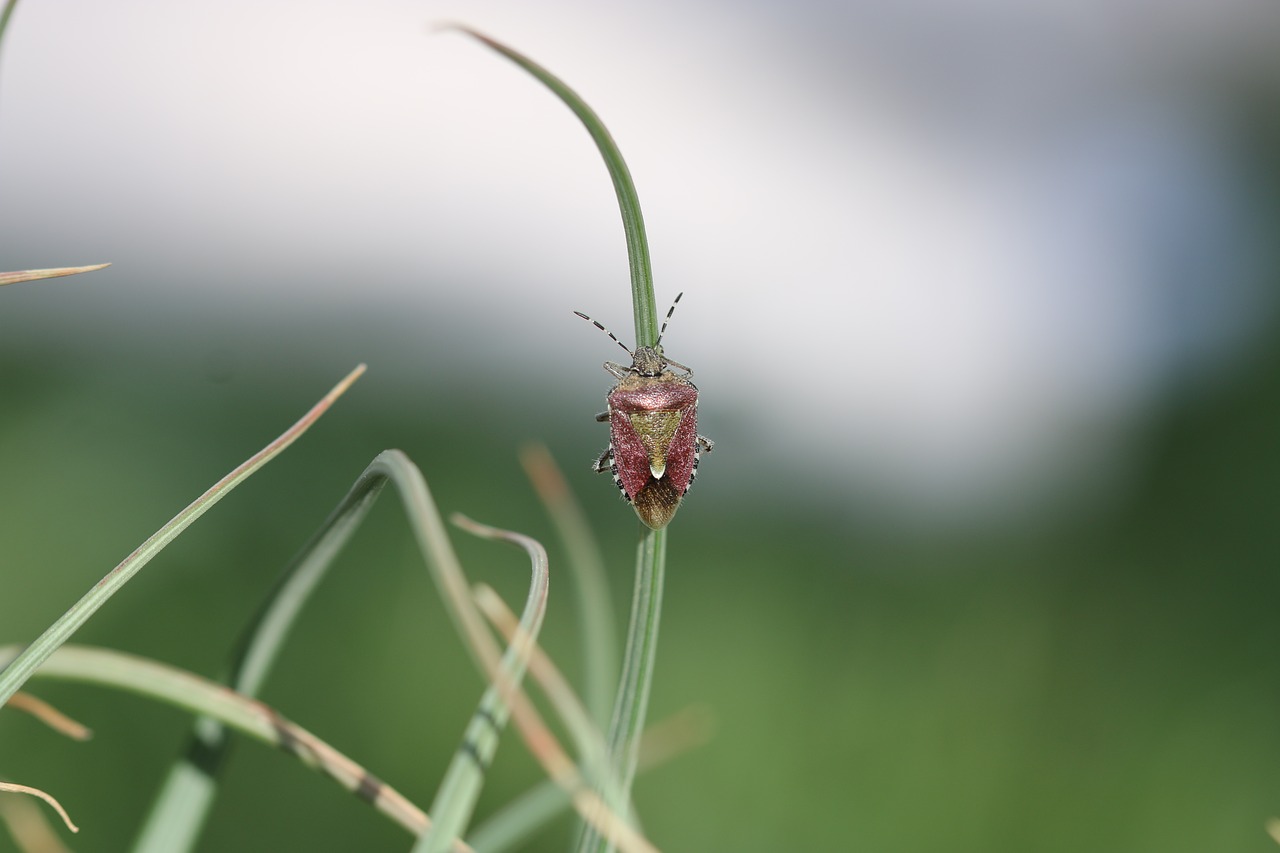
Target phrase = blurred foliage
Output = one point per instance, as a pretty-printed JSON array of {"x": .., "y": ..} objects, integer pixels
[{"x": 1106, "y": 682}]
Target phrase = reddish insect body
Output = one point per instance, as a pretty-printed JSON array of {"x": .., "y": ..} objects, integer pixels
[{"x": 653, "y": 430}]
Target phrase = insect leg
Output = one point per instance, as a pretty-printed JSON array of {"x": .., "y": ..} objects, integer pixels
[
  {"x": 617, "y": 371},
  {"x": 675, "y": 364}
]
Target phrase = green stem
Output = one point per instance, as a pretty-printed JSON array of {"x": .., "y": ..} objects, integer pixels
[
  {"x": 20, "y": 669},
  {"x": 638, "y": 661},
  {"x": 642, "y": 634},
  {"x": 642, "y": 302},
  {"x": 632, "y": 704},
  {"x": 5, "y": 14}
]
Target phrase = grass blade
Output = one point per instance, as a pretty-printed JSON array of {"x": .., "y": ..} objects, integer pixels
[
  {"x": 587, "y": 737},
  {"x": 17, "y": 672},
  {"x": 15, "y": 788},
  {"x": 642, "y": 634},
  {"x": 512, "y": 825},
  {"x": 183, "y": 804},
  {"x": 33, "y": 275},
  {"x": 49, "y": 715},
  {"x": 642, "y": 302},
  {"x": 516, "y": 821},
  {"x": 186, "y": 690},
  {"x": 29, "y": 827},
  {"x": 586, "y": 567},
  {"x": 393, "y": 466},
  {"x": 638, "y": 659},
  {"x": 429, "y": 529},
  {"x": 456, "y": 799}
]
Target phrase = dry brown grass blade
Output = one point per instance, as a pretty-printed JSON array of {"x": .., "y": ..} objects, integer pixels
[
  {"x": 683, "y": 731},
  {"x": 33, "y": 275},
  {"x": 29, "y": 826},
  {"x": 598, "y": 633},
  {"x": 15, "y": 788},
  {"x": 49, "y": 715}
]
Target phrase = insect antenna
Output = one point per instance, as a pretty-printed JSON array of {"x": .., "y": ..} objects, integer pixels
[
  {"x": 596, "y": 323},
  {"x": 667, "y": 319}
]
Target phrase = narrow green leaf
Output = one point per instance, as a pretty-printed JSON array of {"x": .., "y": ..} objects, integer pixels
[
  {"x": 182, "y": 806},
  {"x": 17, "y": 672},
  {"x": 587, "y": 737},
  {"x": 642, "y": 302},
  {"x": 642, "y": 634},
  {"x": 638, "y": 659},
  {"x": 460, "y": 789},
  {"x": 191, "y": 692},
  {"x": 517, "y": 820},
  {"x": 179, "y": 812}
]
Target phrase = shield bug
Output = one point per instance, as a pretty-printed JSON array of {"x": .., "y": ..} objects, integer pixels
[{"x": 653, "y": 429}]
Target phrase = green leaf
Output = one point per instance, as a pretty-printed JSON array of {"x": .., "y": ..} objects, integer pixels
[
  {"x": 188, "y": 691},
  {"x": 642, "y": 303},
  {"x": 460, "y": 789},
  {"x": 17, "y": 672},
  {"x": 642, "y": 635}
]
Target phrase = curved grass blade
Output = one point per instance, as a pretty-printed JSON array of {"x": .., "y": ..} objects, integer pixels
[
  {"x": 183, "y": 804},
  {"x": 29, "y": 826},
  {"x": 631, "y": 704},
  {"x": 15, "y": 788},
  {"x": 588, "y": 738},
  {"x": 428, "y": 527},
  {"x": 33, "y": 275},
  {"x": 186, "y": 690},
  {"x": 586, "y": 567},
  {"x": 456, "y": 799},
  {"x": 21, "y": 668},
  {"x": 306, "y": 570},
  {"x": 540, "y": 805},
  {"x": 642, "y": 302}
]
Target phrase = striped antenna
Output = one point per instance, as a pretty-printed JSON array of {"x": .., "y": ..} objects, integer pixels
[
  {"x": 670, "y": 311},
  {"x": 596, "y": 323}
]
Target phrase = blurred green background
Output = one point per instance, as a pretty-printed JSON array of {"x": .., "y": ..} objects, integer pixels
[
  {"x": 1097, "y": 673},
  {"x": 1108, "y": 684}
]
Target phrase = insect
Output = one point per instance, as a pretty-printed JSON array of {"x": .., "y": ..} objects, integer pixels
[{"x": 653, "y": 429}]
